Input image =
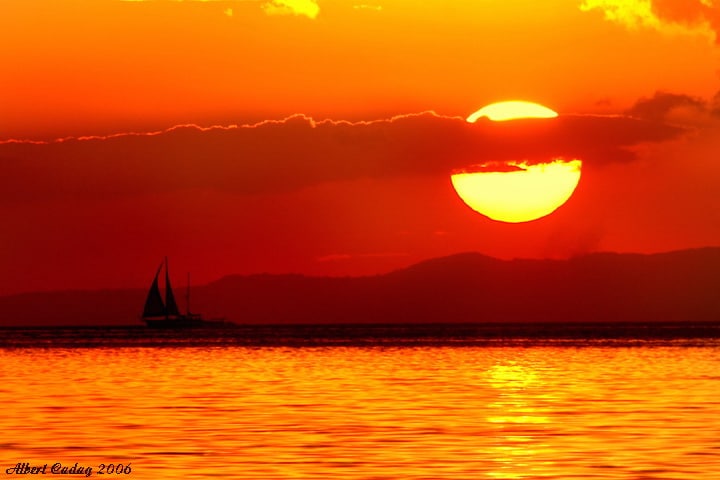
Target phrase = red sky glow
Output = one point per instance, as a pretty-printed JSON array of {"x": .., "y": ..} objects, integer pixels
[{"x": 319, "y": 137}]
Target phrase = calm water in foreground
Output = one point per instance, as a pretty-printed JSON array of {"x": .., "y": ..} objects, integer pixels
[{"x": 359, "y": 406}]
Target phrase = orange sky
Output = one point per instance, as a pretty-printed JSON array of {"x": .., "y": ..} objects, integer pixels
[{"x": 341, "y": 198}]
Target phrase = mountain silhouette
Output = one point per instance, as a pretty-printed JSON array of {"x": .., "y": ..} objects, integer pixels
[{"x": 467, "y": 287}]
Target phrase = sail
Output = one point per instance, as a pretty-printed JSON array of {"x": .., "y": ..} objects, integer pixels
[
  {"x": 172, "y": 308},
  {"x": 154, "y": 306}
]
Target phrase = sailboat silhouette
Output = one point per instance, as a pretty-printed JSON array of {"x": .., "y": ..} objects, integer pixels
[{"x": 159, "y": 313}]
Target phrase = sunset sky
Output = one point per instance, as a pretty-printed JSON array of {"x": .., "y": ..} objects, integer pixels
[{"x": 319, "y": 137}]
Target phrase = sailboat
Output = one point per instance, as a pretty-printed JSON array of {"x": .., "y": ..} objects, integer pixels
[{"x": 159, "y": 313}]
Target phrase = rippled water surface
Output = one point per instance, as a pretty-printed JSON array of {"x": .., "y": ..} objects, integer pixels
[{"x": 645, "y": 409}]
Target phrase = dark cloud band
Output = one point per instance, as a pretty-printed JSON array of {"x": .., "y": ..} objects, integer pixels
[{"x": 298, "y": 152}]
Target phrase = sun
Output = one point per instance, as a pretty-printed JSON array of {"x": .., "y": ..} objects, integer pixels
[
  {"x": 517, "y": 191},
  {"x": 510, "y": 110},
  {"x": 526, "y": 193}
]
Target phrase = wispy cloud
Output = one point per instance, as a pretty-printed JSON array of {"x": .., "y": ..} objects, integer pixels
[
  {"x": 662, "y": 104},
  {"x": 668, "y": 16},
  {"x": 308, "y": 8},
  {"x": 677, "y": 108},
  {"x": 363, "y": 6},
  {"x": 339, "y": 257}
]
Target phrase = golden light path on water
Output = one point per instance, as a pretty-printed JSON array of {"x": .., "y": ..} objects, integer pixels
[{"x": 547, "y": 412}]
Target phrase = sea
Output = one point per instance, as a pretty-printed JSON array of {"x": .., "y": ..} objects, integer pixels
[{"x": 371, "y": 402}]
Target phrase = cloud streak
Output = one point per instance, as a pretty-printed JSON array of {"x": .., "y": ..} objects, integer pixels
[
  {"x": 308, "y": 8},
  {"x": 298, "y": 152},
  {"x": 668, "y": 16}
]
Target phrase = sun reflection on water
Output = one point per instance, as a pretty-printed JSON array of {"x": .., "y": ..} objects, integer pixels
[{"x": 520, "y": 406}]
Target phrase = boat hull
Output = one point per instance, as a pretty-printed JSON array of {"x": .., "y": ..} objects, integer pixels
[{"x": 184, "y": 321}]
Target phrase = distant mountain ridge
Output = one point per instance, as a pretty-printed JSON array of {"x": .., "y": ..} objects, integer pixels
[{"x": 467, "y": 287}]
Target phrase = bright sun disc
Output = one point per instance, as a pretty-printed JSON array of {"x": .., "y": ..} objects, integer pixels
[
  {"x": 527, "y": 192},
  {"x": 501, "y": 111}
]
